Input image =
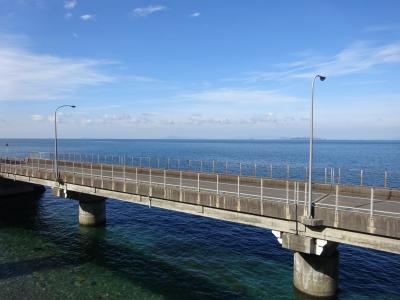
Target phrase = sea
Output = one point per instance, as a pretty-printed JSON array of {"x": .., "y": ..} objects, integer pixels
[{"x": 149, "y": 253}]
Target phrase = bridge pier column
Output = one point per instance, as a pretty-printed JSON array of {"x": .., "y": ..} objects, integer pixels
[
  {"x": 316, "y": 275},
  {"x": 92, "y": 213},
  {"x": 92, "y": 209},
  {"x": 315, "y": 264}
]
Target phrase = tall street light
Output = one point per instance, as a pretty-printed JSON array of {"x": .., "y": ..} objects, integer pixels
[
  {"x": 309, "y": 212},
  {"x": 56, "y": 141}
]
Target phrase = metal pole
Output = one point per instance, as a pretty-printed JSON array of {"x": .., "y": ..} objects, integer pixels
[
  {"x": 309, "y": 214},
  {"x": 255, "y": 169},
  {"x": 238, "y": 186},
  {"x": 337, "y": 198},
  {"x": 262, "y": 190},
  {"x": 56, "y": 140},
  {"x": 385, "y": 179},
  {"x": 325, "y": 176},
  {"x": 361, "y": 177},
  {"x": 270, "y": 168},
  {"x": 372, "y": 203},
  {"x": 217, "y": 184},
  {"x": 213, "y": 166},
  {"x": 240, "y": 169}
]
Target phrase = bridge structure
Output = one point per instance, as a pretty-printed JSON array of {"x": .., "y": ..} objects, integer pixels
[{"x": 359, "y": 215}]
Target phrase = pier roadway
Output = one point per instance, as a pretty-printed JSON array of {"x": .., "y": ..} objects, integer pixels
[{"x": 356, "y": 215}]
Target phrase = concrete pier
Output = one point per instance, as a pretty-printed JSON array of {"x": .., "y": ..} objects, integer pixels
[
  {"x": 316, "y": 275},
  {"x": 92, "y": 213},
  {"x": 92, "y": 209}
]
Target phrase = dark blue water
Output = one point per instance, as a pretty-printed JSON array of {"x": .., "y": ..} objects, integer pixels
[{"x": 149, "y": 253}]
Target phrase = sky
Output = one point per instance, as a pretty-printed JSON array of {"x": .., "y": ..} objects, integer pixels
[{"x": 199, "y": 69}]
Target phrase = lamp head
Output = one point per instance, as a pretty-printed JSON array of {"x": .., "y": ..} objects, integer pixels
[
  {"x": 322, "y": 78},
  {"x": 73, "y": 106}
]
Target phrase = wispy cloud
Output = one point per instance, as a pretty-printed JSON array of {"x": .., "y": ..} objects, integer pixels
[
  {"x": 70, "y": 4},
  {"x": 195, "y": 14},
  {"x": 25, "y": 75},
  {"x": 155, "y": 119},
  {"x": 357, "y": 58},
  {"x": 148, "y": 10},
  {"x": 382, "y": 28},
  {"x": 238, "y": 96},
  {"x": 68, "y": 15},
  {"x": 87, "y": 17}
]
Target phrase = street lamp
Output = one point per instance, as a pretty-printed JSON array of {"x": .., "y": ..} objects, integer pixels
[
  {"x": 56, "y": 142},
  {"x": 309, "y": 212}
]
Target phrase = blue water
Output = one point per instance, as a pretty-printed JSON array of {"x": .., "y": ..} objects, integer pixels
[{"x": 149, "y": 253}]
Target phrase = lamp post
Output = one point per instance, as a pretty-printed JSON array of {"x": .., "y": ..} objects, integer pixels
[
  {"x": 309, "y": 212},
  {"x": 56, "y": 141}
]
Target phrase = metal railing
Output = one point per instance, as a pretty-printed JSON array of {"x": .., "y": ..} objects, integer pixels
[
  {"x": 291, "y": 193},
  {"x": 332, "y": 174}
]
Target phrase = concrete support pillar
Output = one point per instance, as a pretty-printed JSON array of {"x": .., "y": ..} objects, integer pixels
[
  {"x": 92, "y": 213},
  {"x": 316, "y": 275}
]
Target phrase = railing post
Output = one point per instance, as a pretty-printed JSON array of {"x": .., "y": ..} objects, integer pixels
[
  {"x": 287, "y": 171},
  {"x": 372, "y": 203},
  {"x": 82, "y": 182},
  {"x": 201, "y": 166},
  {"x": 136, "y": 179},
  {"x": 287, "y": 191},
  {"x": 73, "y": 171},
  {"x": 124, "y": 177},
  {"x": 213, "y": 166},
  {"x": 238, "y": 186},
  {"x": 112, "y": 176},
  {"x": 101, "y": 176},
  {"x": 217, "y": 184},
  {"x": 385, "y": 179},
  {"x": 262, "y": 193},
  {"x": 180, "y": 186},
  {"x": 336, "y": 199},
  {"x": 305, "y": 197},
  {"x": 240, "y": 169},
  {"x": 198, "y": 182},
  {"x": 91, "y": 174},
  {"x": 325, "y": 176},
  {"x": 255, "y": 170},
  {"x": 158, "y": 163},
  {"x": 179, "y": 164},
  {"x": 270, "y": 170},
  {"x": 226, "y": 167},
  {"x": 338, "y": 181},
  {"x": 150, "y": 187},
  {"x": 361, "y": 176}
]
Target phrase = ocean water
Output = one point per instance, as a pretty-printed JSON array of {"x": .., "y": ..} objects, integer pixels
[{"x": 150, "y": 253}]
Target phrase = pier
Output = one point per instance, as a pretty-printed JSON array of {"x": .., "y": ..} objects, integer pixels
[{"x": 358, "y": 215}]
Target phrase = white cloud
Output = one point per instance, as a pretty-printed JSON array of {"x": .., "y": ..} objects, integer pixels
[
  {"x": 37, "y": 118},
  {"x": 382, "y": 28},
  {"x": 238, "y": 96},
  {"x": 70, "y": 4},
  {"x": 357, "y": 58},
  {"x": 195, "y": 14},
  {"x": 29, "y": 76},
  {"x": 145, "y": 11},
  {"x": 87, "y": 17}
]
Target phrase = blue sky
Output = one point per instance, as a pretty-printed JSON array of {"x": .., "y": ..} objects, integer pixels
[{"x": 200, "y": 69}]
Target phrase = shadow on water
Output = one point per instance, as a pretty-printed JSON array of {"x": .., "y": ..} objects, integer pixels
[
  {"x": 149, "y": 271},
  {"x": 90, "y": 246}
]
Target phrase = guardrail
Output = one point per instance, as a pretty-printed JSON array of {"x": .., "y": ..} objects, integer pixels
[
  {"x": 331, "y": 174},
  {"x": 293, "y": 191}
]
